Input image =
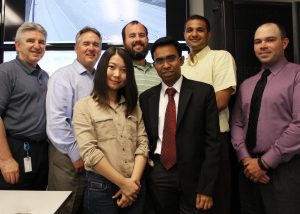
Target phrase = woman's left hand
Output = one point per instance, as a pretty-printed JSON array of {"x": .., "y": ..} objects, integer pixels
[{"x": 124, "y": 201}]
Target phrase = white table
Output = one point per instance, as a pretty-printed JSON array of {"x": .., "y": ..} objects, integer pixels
[{"x": 33, "y": 202}]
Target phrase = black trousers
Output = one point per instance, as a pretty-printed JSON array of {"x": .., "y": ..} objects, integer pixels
[
  {"x": 222, "y": 195},
  {"x": 165, "y": 191},
  {"x": 279, "y": 196},
  {"x": 38, "y": 178}
]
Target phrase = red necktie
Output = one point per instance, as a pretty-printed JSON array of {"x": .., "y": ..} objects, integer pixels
[{"x": 168, "y": 150}]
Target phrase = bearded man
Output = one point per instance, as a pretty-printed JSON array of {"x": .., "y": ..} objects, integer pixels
[{"x": 135, "y": 40}]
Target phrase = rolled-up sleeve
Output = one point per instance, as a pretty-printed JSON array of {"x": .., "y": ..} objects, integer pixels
[{"x": 86, "y": 135}]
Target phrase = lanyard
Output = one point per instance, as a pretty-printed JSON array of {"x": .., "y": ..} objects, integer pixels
[{"x": 26, "y": 148}]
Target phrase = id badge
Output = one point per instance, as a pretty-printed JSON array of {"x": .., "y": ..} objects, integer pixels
[
  {"x": 27, "y": 164},
  {"x": 27, "y": 159}
]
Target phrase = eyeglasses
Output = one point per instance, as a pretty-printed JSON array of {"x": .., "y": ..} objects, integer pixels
[{"x": 168, "y": 59}]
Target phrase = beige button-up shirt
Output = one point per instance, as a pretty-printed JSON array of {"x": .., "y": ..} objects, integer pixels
[{"x": 104, "y": 131}]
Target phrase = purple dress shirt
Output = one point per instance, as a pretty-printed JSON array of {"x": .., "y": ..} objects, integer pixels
[{"x": 278, "y": 128}]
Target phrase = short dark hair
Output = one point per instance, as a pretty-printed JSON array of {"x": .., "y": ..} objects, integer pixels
[
  {"x": 282, "y": 30},
  {"x": 198, "y": 17},
  {"x": 129, "y": 91},
  {"x": 85, "y": 30},
  {"x": 134, "y": 22},
  {"x": 163, "y": 41}
]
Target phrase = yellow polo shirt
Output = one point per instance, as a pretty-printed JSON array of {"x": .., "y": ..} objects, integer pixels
[{"x": 217, "y": 68}]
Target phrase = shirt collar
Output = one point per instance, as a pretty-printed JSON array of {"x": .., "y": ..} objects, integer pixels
[
  {"x": 177, "y": 86},
  {"x": 198, "y": 56},
  {"x": 80, "y": 69},
  {"x": 276, "y": 68},
  {"x": 28, "y": 69},
  {"x": 147, "y": 66}
]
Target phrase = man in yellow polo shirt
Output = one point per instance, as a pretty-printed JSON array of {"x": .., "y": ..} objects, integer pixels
[{"x": 217, "y": 68}]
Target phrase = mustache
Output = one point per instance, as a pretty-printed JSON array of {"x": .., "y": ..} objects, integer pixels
[{"x": 138, "y": 43}]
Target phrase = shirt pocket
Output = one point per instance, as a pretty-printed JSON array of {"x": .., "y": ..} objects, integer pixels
[{"x": 104, "y": 127}]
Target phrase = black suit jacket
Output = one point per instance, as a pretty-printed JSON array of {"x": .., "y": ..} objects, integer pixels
[{"x": 197, "y": 135}]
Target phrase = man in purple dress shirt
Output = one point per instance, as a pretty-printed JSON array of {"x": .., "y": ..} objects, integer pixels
[{"x": 270, "y": 178}]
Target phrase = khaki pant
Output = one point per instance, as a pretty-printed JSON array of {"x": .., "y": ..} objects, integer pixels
[{"x": 62, "y": 177}]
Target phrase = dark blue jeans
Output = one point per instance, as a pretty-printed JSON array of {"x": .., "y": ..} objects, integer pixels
[{"x": 98, "y": 197}]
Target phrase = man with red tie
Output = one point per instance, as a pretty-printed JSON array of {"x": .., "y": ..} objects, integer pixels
[{"x": 181, "y": 120}]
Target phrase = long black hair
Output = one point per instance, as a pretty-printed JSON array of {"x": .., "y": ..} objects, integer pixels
[{"x": 129, "y": 91}]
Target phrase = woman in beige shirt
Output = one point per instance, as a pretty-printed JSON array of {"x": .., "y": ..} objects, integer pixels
[{"x": 112, "y": 139}]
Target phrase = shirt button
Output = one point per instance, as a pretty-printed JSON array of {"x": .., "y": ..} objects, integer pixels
[
  {"x": 123, "y": 149},
  {"x": 126, "y": 161}
]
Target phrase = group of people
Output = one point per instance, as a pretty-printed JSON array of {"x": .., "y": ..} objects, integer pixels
[{"x": 135, "y": 137}]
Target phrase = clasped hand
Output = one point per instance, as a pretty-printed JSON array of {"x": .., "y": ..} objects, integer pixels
[
  {"x": 128, "y": 192},
  {"x": 203, "y": 202},
  {"x": 254, "y": 172}
]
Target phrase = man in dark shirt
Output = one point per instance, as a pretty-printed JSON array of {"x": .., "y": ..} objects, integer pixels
[
  {"x": 181, "y": 120},
  {"x": 23, "y": 86}
]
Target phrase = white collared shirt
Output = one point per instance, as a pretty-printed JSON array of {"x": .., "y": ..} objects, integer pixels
[{"x": 163, "y": 102}]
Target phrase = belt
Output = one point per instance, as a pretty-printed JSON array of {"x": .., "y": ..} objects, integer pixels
[{"x": 27, "y": 139}]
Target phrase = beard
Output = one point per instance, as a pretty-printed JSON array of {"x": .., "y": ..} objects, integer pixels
[{"x": 138, "y": 55}]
